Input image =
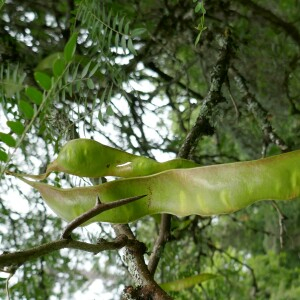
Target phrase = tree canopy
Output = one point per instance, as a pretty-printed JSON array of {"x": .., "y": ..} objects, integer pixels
[{"x": 210, "y": 81}]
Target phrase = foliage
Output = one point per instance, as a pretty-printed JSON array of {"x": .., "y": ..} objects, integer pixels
[
  {"x": 136, "y": 75},
  {"x": 200, "y": 8}
]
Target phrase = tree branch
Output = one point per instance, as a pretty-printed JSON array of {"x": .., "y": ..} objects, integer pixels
[
  {"x": 281, "y": 218},
  {"x": 147, "y": 288},
  {"x": 96, "y": 210},
  {"x": 20, "y": 257},
  {"x": 162, "y": 239},
  {"x": 170, "y": 80},
  {"x": 254, "y": 281},
  {"x": 203, "y": 125},
  {"x": 258, "y": 111},
  {"x": 268, "y": 15}
]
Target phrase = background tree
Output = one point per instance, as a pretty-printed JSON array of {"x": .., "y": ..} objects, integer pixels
[{"x": 214, "y": 82}]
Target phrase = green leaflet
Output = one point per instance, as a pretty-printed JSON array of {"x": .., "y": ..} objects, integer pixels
[
  {"x": 206, "y": 191},
  {"x": 70, "y": 47}
]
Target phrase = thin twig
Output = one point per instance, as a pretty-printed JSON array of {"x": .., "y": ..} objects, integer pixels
[
  {"x": 258, "y": 111},
  {"x": 254, "y": 281},
  {"x": 96, "y": 210},
  {"x": 7, "y": 285},
  {"x": 281, "y": 218},
  {"x": 162, "y": 239},
  {"x": 232, "y": 99},
  {"x": 8, "y": 260},
  {"x": 259, "y": 11}
]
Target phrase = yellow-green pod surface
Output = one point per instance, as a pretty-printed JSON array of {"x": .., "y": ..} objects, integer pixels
[
  {"x": 205, "y": 191},
  {"x": 88, "y": 158}
]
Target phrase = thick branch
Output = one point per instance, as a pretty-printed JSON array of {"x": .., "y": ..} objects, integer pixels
[{"x": 147, "y": 288}]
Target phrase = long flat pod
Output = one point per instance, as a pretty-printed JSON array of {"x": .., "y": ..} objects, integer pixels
[
  {"x": 206, "y": 191},
  {"x": 89, "y": 158}
]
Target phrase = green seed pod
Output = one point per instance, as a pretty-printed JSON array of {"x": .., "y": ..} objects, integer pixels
[
  {"x": 206, "y": 191},
  {"x": 88, "y": 158}
]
